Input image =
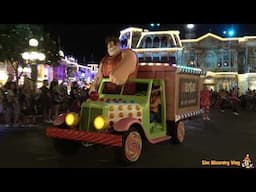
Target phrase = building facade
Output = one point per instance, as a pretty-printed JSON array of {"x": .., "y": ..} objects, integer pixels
[
  {"x": 214, "y": 53},
  {"x": 228, "y": 62},
  {"x": 69, "y": 69},
  {"x": 66, "y": 70},
  {"x": 153, "y": 46}
]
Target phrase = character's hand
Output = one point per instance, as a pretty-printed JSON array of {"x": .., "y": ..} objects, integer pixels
[
  {"x": 114, "y": 80},
  {"x": 94, "y": 95},
  {"x": 92, "y": 89}
]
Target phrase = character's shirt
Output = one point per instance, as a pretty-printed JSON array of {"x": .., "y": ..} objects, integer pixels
[
  {"x": 155, "y": 101},
  {"x": 109, "y": 63}
]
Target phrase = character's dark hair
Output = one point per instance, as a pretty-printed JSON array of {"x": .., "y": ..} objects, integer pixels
[
  {"x": 155, "y": 90},
  {"x": 155, "y": 86},
  {"x": 112, "y": 38}
]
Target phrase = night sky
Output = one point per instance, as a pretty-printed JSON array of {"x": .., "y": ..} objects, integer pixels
[{"x": 86, "y": 42}]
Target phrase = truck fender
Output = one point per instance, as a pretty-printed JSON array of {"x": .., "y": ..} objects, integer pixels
[
  {"x": 125, "y": 123},
  {"x": 60, "y": 119}
]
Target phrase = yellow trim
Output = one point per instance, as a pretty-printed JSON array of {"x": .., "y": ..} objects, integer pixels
[
  {"x": 240, "y": 39},
  {"x": 131, "y": 29},
  {"x": 158, "y": 49},
  {"x": 226, "y": 73},
  {"x": 156, "y": 33}
]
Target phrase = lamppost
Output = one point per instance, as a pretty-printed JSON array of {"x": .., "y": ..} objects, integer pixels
[
  {"x": 191, "y": 52},
  {"x": 189, "y": 28},
  {"x": 33, "y": 57},
  {"x": 230, "y": 33}
]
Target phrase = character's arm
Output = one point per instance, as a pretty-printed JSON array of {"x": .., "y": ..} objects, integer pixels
[
  {"x": 97, "y": 80},
  {"x": 127, "y": 66},
  {"x": 154, "y": 104}
]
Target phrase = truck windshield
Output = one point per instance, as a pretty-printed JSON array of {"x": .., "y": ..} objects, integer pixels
[{"x": 130, "y": 88}]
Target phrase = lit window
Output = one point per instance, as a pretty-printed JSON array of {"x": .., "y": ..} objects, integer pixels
[{"x": 225, "y": 64}]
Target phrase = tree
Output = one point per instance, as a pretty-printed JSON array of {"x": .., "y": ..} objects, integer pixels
[{"x": 14, "y": 40}]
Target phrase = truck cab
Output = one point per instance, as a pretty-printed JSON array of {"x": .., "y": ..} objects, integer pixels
[{"x": 120, "y": 105}]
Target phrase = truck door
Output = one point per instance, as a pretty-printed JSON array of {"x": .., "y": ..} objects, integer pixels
[{"x": 156, "y": 107}]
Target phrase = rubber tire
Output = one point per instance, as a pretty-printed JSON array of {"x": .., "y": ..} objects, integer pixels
[
  {"x": 173, "y": 131},
  {"x": 119, "y": 153}
]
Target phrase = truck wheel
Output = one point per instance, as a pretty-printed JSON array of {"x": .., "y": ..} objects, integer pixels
[
  {"x": 131, "y": 150},
  {"x": 178, "y": 132},
  {"x": 65, "y": 147}
]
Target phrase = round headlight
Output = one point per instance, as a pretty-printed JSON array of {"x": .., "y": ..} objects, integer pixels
[
  {"x": 100, "y": 122},
  {"x": 72, "y": 119}
]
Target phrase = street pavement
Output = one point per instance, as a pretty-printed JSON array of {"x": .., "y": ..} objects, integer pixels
[{"x": 224, "y": 138}]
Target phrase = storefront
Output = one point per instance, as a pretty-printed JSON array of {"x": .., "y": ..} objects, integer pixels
[
  {"x": 220, "y": 80},
  {"x": 226, "y": 80},
  {"x": 251, "y": 81},
  {"x": 44, "y": 71},
  {"x": 3, "y": 74}
]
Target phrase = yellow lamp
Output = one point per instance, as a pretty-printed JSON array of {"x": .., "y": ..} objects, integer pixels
[
  {"x": 100, "y": 122},
  {"x": 72, "y": 119}
]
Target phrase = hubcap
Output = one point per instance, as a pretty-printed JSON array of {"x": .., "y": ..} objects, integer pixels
[
  {"x": 133, "y": 146},
  {"x": 180, "y": 132}
]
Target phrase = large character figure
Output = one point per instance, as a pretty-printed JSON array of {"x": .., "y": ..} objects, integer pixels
[{"x": 119, "y": 65}]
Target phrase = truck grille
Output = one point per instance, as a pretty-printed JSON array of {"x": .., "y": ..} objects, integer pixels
[{"x": 88, "y": 116}]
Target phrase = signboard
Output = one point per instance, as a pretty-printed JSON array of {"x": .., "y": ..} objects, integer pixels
[
  {"x": 72, "y": 72},
  {"x": 188, "y": 90}
]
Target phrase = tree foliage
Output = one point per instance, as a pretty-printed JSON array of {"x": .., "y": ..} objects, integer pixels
[{"x": 14, "y": 40}]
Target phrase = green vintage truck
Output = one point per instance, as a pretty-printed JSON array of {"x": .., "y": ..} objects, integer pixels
[{"x": 122, "y": 119}]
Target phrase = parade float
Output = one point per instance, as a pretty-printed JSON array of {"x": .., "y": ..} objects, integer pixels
[{"x": 122, "y": 119}]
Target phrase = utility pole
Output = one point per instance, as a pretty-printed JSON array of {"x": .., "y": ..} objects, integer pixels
[
  {"x": 92, "y": 57},
  {"x": 59, "y": 41}
]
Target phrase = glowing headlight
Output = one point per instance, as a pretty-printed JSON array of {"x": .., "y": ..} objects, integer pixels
[
  {"x": 72, "y": 119},
  {"x": 100, "y": 122}
]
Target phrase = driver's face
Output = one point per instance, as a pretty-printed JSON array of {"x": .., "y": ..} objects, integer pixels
[
  {"x": 111, "y": 44},
  {"x": 113, "y": 48}
]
